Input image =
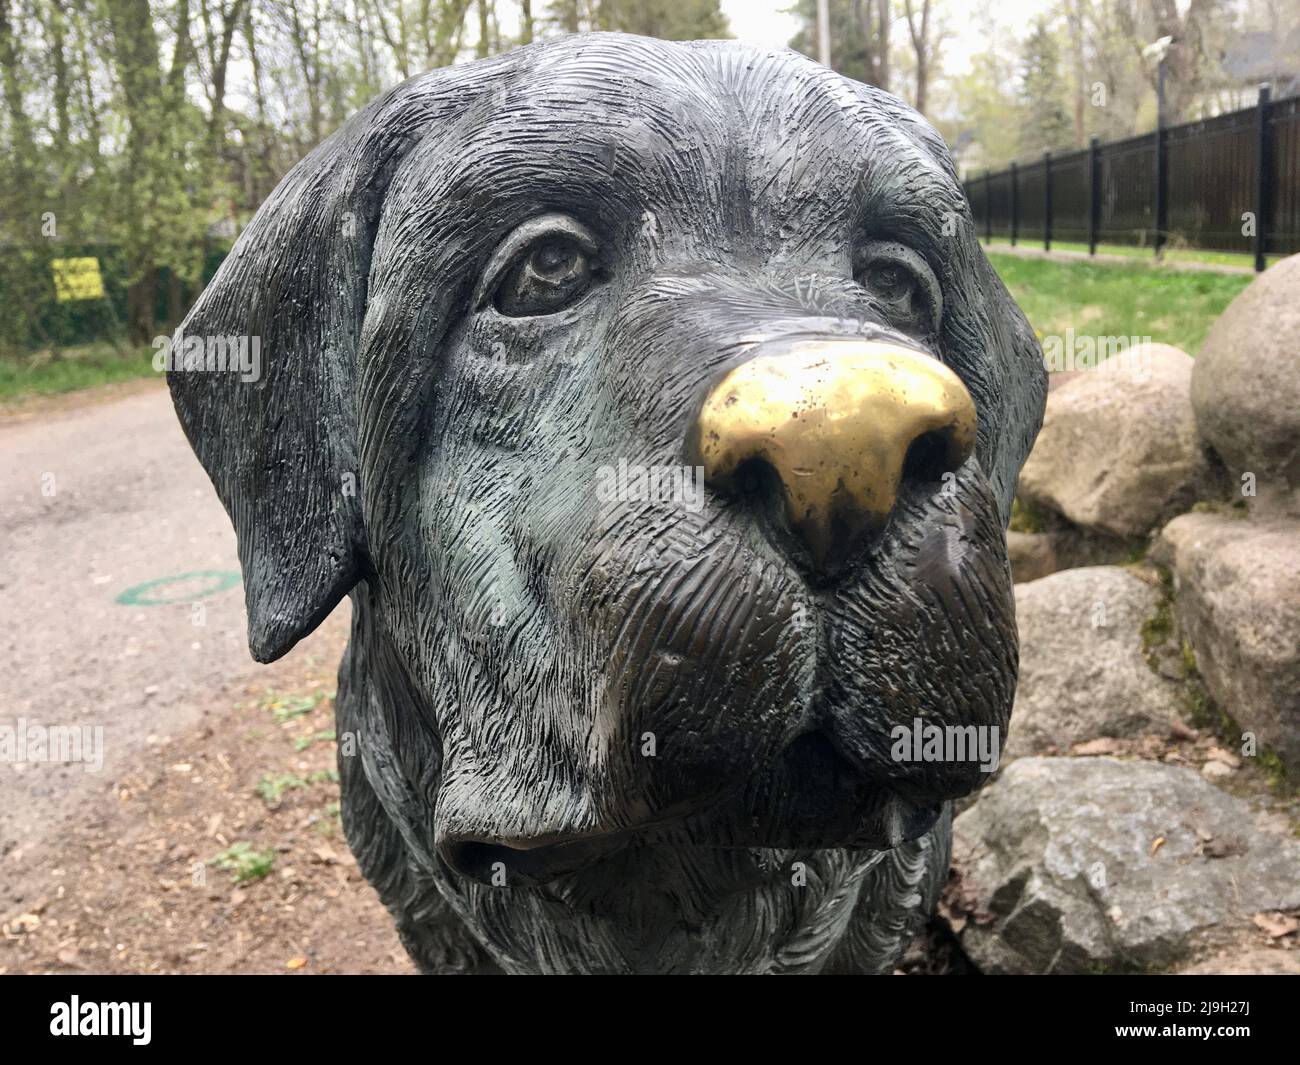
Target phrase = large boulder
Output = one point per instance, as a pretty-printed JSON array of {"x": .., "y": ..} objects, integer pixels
[
  {"x": 1237, "y": 583},
  {"x": 1118, "y": 451},
  {"x": 1037, "y": 554},
  {"x": 1032, "y": 555},
  {"x": 1246, "y": 387},
  {"x": 1083, "y": 674},
  {"x": 1254, "y": 961},
  {"x": 1076, "y": 865}
]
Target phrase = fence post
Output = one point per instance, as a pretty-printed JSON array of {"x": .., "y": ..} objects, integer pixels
[
  {"x": 1015, "y": 201},
  {"x": 1047, "y": 200},
  {"x": 988, "y": 206},
  {"x": 1263, "y": 189},
  {"x": 1162, "y": 180},
  {"x": 1094, "y": 193}
]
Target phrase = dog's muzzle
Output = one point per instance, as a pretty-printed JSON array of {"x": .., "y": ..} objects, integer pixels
[
  {"x": 821, "y": 439},
  {"x": 835, "y": 426}
]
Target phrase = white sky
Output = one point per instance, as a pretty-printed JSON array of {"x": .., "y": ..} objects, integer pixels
[{"x": 763, "y": 22}]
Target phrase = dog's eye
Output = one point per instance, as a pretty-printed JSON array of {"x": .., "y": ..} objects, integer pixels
[
  {"x": 900, "y": 279},
  {"x": 543, "y": 267},
  {"x": 547, "y": 279},
  {"x": 891, "y": 281}
]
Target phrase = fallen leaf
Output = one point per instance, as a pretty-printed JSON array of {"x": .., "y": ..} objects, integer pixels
[
  {"x": 24, "y": 922},
  {"x": 1222, "y": 754},
  {"x": 295, "y": 963},
  {"x": 1277, "y": 925},
  {"x": 1101, "y": 745},
  {"x": 1157, "y": 843}
]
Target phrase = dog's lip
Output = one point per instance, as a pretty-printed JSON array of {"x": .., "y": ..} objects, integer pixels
[{"x": 534, "y": 861}]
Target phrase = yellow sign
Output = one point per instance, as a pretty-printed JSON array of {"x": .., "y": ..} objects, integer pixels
[{"x": 77, "y": 279}]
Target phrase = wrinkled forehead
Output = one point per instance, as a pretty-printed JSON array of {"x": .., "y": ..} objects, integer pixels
[{"x": 727, "y": 138}]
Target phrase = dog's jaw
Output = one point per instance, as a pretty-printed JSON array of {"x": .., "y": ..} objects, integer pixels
[{"x": 743, "y": 910}]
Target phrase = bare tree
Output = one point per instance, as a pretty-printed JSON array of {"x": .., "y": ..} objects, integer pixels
[
  {"x": 1074, "y": 23},
  {"x": 873, "y": 22},
  {"x": 926, "y": 35}
]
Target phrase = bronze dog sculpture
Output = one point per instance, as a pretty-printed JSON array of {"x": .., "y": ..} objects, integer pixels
[{"x": 659, "y": 411}]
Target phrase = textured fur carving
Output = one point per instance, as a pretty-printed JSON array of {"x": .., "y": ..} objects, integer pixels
[{"x": 515, "y": 637}]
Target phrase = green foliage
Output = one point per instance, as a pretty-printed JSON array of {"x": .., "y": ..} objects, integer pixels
[
  {"x": 244, "y": 862},
  {"x": 986, "y": 107},
  {"x": 849, "y": 51},
  {"x": 1043, "y": 121},
  {"x": 303, "y": 742},
  {"x": 669, "y": 20},
  {"x": 272, "y": 786},
  {"x": 1158, "y": 629},
  {"x": 146, "y": 132},
  {"x": 286, "y": 708},
  {"x": 1027, "y": 518}
]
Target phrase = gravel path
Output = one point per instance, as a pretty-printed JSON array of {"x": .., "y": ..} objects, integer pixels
[{"x": 103, "y": 512}]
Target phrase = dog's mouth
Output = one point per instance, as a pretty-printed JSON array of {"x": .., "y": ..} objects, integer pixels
[
  {"x": 772, "y": 705},
  {"x": 812, "y": 799}
]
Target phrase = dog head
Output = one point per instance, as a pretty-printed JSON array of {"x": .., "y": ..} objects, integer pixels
[{"x": 659, "y": 406}]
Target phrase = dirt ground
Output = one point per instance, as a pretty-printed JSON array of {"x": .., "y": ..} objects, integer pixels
[
  {"x": 132, "y": 886},
  {"x": 105, "y": 515}
]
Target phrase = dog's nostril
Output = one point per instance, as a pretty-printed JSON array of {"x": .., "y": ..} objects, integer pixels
[
  {"x": 929, "y": 458},
  {"x": 757, "y": 477}
]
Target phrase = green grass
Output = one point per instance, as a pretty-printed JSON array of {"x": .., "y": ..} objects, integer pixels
[
  {"x": 272, "y": 786},
  {"x": 286, "y": 708},
  {"x": 303, "y": 742},
  {"x": 75, "y": 368},
  {"x": 243, "y": 862},
  {"x": 1244, "y": 259},
  {"x": 1112, "y": 299}
]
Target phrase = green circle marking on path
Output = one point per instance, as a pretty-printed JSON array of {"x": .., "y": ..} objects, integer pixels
[{"x": 221, "y": 580}]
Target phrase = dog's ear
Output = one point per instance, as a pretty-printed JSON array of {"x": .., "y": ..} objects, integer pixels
[
  {"x": 1018, "y": 392},
  {"x": 279, "y": 441},
  {"x": 1014, "y": 393},
  {"x": 1023, "y": 377}
]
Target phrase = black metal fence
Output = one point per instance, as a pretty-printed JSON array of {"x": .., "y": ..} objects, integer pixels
[{"x": 1229, "y": 183}]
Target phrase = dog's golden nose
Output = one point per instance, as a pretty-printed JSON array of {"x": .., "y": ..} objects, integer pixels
[{"x": 835, "y": 420}]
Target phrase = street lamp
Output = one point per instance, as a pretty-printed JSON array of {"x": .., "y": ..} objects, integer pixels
[
  {"x": 824, "y": 32},
  {"x": 1158, "y": 50}
]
